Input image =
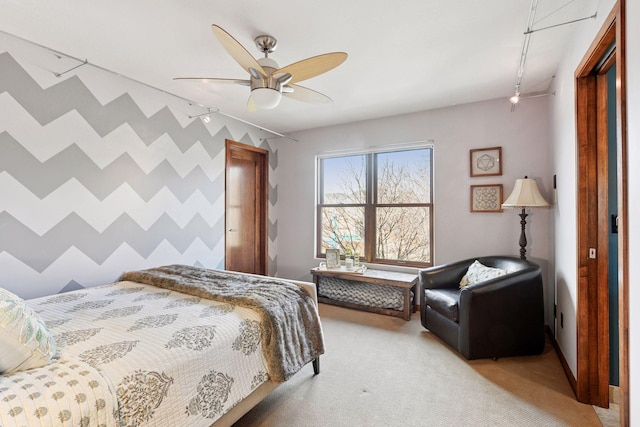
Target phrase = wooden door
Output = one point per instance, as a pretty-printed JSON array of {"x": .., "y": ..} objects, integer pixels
[
  {"x": 246, "y": 208},
  {"x": 592, "y": 379}
]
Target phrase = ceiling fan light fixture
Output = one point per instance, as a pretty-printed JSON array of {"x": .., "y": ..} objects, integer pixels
[{"x": 266, "y": 98}]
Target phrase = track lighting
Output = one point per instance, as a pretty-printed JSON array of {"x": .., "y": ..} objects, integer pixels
[
  {"x": 525, "y": 50},
  {"x": 517, "y": 97}
]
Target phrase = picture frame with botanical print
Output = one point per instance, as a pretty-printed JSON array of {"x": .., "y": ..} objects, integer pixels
[
  {"x": 485, "y": 161},
  {"x": 333, "y": 258},
  {"x": 486, "y": 198}
]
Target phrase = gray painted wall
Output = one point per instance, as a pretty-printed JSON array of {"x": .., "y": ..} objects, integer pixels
[
  {"x": 100, "y": 174},
  {"x": 458, "y": 233}
]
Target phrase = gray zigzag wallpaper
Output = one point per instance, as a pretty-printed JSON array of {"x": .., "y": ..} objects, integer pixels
[{"x": 100, "y": 175}]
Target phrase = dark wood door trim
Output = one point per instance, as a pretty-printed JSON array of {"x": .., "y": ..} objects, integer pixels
[
  {"x": 262, "y": 203},
  {"x": 592, "y": 379},
  {"x": 592, "y": 351},
  {"x": 623, "y": 227}
]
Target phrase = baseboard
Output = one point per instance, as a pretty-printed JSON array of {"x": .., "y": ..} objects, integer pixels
[
  {"x": 614, "y": 391},
  {"x": 563, "y": 361}
]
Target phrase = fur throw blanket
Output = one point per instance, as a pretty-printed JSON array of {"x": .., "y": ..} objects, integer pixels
[{"x": 291, "y": 330}]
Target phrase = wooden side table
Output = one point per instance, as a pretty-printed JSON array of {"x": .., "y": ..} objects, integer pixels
[{"x": 407, "y": 282}]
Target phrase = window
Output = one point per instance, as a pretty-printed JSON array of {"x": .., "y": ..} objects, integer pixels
[{"x": 377, "y": 204}]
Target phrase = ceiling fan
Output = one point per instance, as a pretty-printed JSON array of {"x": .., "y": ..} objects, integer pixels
[{"x": 268, "y": 82}]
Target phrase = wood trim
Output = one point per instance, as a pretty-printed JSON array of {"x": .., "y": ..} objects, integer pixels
[
  {"x": 591, "y": 314},
  {"x": 231, "y": 144},
  {"x": 594, "y": 55},
  {"x": 262, "y": 207},
  {"x": 591, "y": 350},
  {"x": 623, "y": 228},
  {"x": 601, "y": 368}
]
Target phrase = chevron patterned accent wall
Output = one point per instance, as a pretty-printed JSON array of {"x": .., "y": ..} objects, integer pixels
[{"x": 100, "y": 175}]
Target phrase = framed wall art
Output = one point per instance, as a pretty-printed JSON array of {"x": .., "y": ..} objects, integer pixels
[
  {"x": 486, "y": 161},
  {"x": 486, "y": 198}
]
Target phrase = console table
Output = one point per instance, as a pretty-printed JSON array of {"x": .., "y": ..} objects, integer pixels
[{"x": 404, "y": 282}]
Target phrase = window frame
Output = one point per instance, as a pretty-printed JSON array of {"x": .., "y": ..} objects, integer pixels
[{"x": 371, "y": 206}]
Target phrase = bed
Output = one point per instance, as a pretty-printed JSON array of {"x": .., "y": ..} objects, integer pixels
[{"x": 174, "y": 345}]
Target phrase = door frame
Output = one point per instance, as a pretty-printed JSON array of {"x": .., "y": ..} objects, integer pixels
[
  {"x": 592, "y": 378},
  {"x": 262, "y": 203}
]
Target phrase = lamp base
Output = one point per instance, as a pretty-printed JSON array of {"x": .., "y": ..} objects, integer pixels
[{"x": 523, "y": 236}]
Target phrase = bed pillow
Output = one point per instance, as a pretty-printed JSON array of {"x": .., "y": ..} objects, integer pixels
[
  {"x": 478, "y": 272},
  {"x": 25, "y": 340}
]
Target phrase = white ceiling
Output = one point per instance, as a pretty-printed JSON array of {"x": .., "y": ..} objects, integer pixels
[{"x": 404, "y": 56}]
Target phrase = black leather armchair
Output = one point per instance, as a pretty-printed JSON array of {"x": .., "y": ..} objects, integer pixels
[{"x": 495, "y": 318}]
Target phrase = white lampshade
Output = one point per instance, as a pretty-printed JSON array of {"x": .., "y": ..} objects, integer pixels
[
  {"x": 525, "y": 194},
  {"x": 266, "y": 98}
]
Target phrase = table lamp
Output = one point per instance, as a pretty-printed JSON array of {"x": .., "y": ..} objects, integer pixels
[{"x": 525, "y": 194}]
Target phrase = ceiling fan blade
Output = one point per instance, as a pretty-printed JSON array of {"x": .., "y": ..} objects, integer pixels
[
  {"x": 304, "y": 94},
  {"x": 237, "y": 51},
  {"x": 313, "y": 66},
  {"x": 216, "y": 80}
]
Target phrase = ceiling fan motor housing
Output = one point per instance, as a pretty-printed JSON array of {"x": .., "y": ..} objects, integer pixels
[{"x": 271, "y": 81}]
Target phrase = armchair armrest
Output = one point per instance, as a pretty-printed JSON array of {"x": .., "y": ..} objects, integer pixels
[{"x": 504, "y": 315}]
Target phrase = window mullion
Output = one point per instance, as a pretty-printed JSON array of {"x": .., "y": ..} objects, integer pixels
[{"x": 370, "y": 211}]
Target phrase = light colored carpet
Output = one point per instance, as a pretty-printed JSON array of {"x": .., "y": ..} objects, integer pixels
[{"x": 384, "y": 371}]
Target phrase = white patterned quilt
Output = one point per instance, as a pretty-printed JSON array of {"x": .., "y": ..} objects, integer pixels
[{"x": 168, "y": 358}]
